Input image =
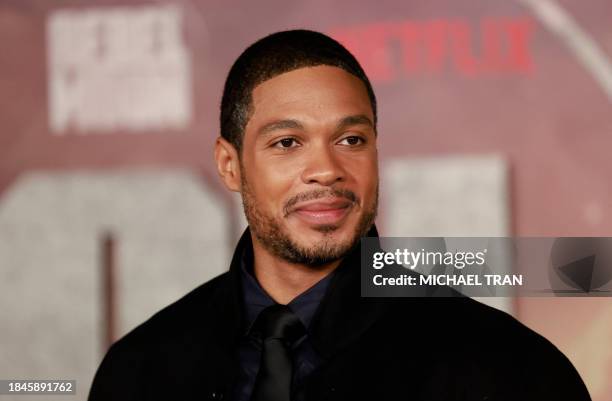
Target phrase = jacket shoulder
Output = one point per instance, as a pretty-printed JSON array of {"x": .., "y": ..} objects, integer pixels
[
  {"x": 127, "y": 359},
  {"x": 494, "y": 347},
  {"x": 180, "y": 314}
]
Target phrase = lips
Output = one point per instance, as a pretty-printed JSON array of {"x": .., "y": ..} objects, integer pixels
[{"x": 323, "y": 211}]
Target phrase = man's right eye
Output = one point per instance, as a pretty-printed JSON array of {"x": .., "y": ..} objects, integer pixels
[{"x": 286, "y": 143}]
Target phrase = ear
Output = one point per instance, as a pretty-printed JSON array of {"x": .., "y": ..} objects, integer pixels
[{"x": 228, "y": 164}]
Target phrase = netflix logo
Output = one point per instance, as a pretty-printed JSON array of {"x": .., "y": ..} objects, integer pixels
[{"x": 392, "y": 50}]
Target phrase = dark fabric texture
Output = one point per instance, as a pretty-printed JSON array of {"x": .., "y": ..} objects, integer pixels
[
  {"x": 304, "y": 357},
  {"x": 278, "y": 328},
  {"x": 418, "y": 349}
]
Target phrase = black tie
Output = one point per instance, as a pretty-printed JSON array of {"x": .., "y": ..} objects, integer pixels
[{"x": 279, "y": 329}]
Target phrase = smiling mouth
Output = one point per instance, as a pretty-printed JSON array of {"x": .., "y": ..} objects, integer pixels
[{"x": 323, "y": 211}]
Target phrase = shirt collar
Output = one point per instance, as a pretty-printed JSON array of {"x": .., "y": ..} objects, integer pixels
[{"x": 257, "y": 299}]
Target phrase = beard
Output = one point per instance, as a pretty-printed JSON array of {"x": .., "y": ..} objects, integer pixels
[{"x": 275, "y": 238}]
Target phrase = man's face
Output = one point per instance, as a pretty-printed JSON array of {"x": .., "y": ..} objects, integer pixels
[{"x": 309, "y": 169}]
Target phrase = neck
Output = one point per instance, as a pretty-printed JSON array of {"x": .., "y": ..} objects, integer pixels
[{"x": 282, "y": 280}]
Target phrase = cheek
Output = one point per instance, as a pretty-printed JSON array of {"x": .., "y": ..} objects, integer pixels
[
  {"x": 365, "y": 174},
  {"x": 271, "y": 184},
  {"x": 369, "y": 188}
]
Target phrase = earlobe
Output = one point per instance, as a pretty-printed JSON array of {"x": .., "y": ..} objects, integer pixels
[{"x": 228, "y": 164}]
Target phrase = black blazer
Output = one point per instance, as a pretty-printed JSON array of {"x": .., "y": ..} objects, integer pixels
[{"x": 376, "y": 349}]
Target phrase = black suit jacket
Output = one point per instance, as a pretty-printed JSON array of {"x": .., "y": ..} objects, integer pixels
[{"x": 377, "y": 349}]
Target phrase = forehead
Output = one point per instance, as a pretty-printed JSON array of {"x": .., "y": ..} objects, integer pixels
[{"x": 319, "y": 93}]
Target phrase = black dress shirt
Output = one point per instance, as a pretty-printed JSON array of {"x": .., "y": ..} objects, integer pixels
[{"x": 305, "y": 358}]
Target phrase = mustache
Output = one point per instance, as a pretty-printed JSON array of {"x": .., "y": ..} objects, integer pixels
[{"x": 319, "y": 194}]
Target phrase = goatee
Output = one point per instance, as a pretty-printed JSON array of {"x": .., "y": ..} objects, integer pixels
[{"x": 272, "y": 236}]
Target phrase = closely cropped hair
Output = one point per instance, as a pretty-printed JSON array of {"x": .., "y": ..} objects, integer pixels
[{"x": 274, "y": 55}]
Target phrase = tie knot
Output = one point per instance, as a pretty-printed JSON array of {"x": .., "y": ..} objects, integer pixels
[{"x": 279, "y": 322}]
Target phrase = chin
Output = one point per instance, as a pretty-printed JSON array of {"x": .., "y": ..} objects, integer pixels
[{"x": 326, "y": 233}]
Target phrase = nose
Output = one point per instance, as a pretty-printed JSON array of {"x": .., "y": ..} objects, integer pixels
[{"x": 323, "y": 167}]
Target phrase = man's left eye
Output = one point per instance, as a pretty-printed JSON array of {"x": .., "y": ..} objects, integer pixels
[{"x": 351, "y": 141}]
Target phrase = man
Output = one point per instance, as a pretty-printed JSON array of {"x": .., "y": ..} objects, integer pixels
[{"x": 298, "y": 141}]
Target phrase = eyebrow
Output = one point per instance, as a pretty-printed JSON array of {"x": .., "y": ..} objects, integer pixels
[
  {"x": 280, "y": 124},
  {"x": 358, "y": 119}
]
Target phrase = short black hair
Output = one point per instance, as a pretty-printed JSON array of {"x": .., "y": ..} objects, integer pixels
[{"x": 273, "y": 55}]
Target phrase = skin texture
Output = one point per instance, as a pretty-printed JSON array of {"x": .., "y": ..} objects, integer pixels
[{"x": 308, "y": 175}]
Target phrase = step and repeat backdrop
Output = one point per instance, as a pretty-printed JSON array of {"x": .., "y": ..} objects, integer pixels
[{"x": 495, "y": 120}]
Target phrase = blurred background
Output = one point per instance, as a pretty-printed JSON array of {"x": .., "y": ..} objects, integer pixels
[{"x": 495, "y": 120}]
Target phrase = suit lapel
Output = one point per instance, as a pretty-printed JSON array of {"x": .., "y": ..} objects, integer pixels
[
  {"x": 227, "y": 319},
  {"x": 227, "y": 305},
  {"x": 344, "y": 316}
]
